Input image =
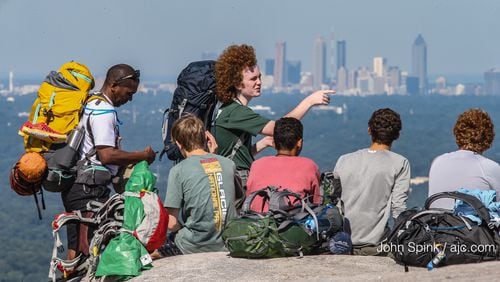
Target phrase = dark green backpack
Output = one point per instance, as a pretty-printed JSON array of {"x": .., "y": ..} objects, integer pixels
[{"x": 280, "y": 232}]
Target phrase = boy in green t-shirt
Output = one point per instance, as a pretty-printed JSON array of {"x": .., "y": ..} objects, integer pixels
[{"x": 238, "y": 81}]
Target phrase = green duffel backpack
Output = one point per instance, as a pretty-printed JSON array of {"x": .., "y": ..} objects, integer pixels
[{"x": 280, "y": 232}]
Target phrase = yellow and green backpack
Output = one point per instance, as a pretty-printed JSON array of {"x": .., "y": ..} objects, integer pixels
[{"x": 57, "y": 109}]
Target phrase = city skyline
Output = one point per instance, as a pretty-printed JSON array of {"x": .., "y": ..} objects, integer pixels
[
  {"x": 162, "y": 37},
  {"x": 282, "y": 75}
]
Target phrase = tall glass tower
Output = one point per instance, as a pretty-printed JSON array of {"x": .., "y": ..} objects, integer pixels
[
  {"x": 319, "y": 67},
  {"x": 331, "y": 57},
  {"x": 419, "y": 63},
  {"x": 341, "y": 54},
  {"x": 279, "y": 64},
  {"x": 492, "y": 82}
]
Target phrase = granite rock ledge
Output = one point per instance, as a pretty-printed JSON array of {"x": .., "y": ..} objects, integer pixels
[{"x": 221, "y": 267}]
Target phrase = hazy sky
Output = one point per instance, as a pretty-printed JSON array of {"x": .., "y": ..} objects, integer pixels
[{"x": 161, "y": 36}]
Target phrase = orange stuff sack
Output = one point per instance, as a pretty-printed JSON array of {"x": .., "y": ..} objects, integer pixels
[
  {"x": 20, "y": 185},
  {"x": 32, "y": 166}
]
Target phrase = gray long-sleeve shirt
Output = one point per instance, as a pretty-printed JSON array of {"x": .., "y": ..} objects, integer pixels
[
  {"x": 374, "y": 184},
  {"x": 462, "y": 169}
]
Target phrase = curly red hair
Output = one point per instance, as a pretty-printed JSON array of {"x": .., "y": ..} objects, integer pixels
[
  {"x": 229, "y": 70},
  {"x": 474, "y": 131}
]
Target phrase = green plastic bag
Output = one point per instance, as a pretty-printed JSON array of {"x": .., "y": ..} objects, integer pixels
[{"x": 125, "y": 257}]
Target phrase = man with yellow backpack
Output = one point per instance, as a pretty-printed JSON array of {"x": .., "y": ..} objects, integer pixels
[
  {"x": 78, "y": 136},
  {"x": 100, "y": 155},
  {"x": 54, "y": 115}
]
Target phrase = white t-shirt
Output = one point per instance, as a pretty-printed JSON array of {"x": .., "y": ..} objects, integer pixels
[
  {"x": 104, "y": 126},
  {"x": 462, "y": 169}
]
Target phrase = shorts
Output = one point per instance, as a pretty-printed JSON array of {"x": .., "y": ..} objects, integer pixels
[{"x": 76, "y": 198}]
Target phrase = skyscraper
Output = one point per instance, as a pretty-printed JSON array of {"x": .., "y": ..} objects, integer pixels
[
  {"x": 394, "y": 75},
  {"x": 319, "y": 67},
  {"x": 365, "y": 81},
  {"x": 419, "y": 63},
  {"x": 331, "y": 57},
  {"x": 11, "y": 81},
  {"x": 492, "y": 82},
  {"x": 352, "y": 79},
  {"x": 379, "y": 66},
  {"x": 280, "y": 64},
  {"x": 379, "y": 85},
  {"x": 293, "y": 69},
  {"x": 342, "y": 80},
  {"x": 269, "y": 68},
  {"x": 393, "y": 80},
  {"x": 341, "y": 54},
  {"x": 412, "y": 85}
]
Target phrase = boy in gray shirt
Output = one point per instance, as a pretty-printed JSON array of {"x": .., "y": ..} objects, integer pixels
[
  {"x": 375, "y": 183},
  {"x": 466, "y": 167}
]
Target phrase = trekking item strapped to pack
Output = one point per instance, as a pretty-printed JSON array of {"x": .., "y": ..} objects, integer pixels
[
  {"x": 128, "y": 227},
  {"x": 291, "y": 227},
  {"x": 195, "y": 95},
  {"x": 144, "y": 228},
  {"x": 56, "y": 111},
  {"x": 107, "y": 219},
  {"x": 438, "y": 237},
  {"x": 331, "y": 188},
  {"x": 26, "y": 177}
]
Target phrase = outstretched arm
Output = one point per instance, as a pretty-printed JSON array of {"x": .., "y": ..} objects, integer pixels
[
  {"x": 321, "y": 97},
  {"x": 115, "y": 156}
]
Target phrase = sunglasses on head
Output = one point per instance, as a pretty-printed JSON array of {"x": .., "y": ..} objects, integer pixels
[{"x": 134, "y": 76}]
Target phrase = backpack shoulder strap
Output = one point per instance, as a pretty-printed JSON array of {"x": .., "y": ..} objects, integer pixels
[
  {"x": 264, "y": 193},
  {"x": 96, "y": 96},
  {"x": 239, "y": 141},
  {"x": 88, "y": 129},
  {"x": 280, "y": 200},
  {"x": 237, "y": 146},
  {"x": 90, "y": 98}
]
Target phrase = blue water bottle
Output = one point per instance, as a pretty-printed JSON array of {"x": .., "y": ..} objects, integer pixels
[
  {"x": 310, "y": 224},
  {"x": 440, "y": 255}
]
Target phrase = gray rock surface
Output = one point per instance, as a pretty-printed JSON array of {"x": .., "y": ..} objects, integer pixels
[{"x": 220, "y": 267}]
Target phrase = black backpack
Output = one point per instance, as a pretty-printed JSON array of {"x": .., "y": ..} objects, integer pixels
[
  {"x": 437, "y": 237},
  {"x": 195, "y": 94}
]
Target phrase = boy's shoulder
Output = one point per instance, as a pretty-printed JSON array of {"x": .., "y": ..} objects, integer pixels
[{"x": 208, "y": 158}]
